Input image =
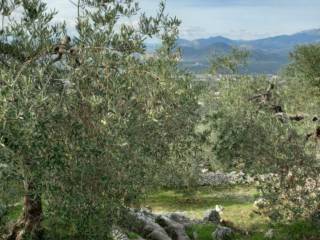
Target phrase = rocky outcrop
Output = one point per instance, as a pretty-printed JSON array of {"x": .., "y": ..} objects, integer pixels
[
  {"x": 174, "y": 229},
  {"x": 158, "y": 227},
  {"x": 143, "y": 223},
  {"x": 172, "y": 226}
]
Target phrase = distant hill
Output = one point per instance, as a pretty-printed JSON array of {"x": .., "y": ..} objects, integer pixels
[{"x": 268, "y": 55}]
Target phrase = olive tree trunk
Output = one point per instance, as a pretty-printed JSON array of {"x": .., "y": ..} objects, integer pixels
[{"x": 29, "y": 224}]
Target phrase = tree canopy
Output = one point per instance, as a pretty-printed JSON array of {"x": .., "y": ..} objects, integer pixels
[{"x": 89, "y": 119}]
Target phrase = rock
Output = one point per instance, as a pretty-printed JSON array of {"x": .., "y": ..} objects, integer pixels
[
  {"x": 269, "y": 234},
  {"x": 155, "y": 232},
  {"x": 143, "y": 222},
  {"x": 219, "y": 178},
  {"x": 150, "y": 227},
  {"x": 158, "y": 235},
  {"x": 212, "y": 216},
  {"x": 180, "y": 218},
  {"x": 222, "y": 233},
  {"x": 213, "y": 179},
  {"x": 139, "y": 238},
  {"x": 146, "y": 214},
  {"x": 174, "y": 229},
  {"x": 250, "y": 179},
  {"x": 236, "y": 177}
]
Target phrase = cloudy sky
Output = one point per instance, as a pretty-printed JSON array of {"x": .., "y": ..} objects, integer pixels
[{"x": 237, "y": 19}]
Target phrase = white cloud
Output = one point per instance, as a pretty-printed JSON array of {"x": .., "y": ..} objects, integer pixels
[{"x": 192, "y": 32}]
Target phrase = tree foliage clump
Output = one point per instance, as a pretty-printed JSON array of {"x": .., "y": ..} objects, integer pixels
[
  {"x": 87, "y": 121},
  {"x": 305, "y": 65},
  {"x": 230, "y": 63},
  {"x": 253, "y": 132}
]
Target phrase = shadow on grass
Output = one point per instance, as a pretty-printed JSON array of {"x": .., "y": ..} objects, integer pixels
[
  {"x": 237, "y": 202},
  {"x": 201, "y": 199}
]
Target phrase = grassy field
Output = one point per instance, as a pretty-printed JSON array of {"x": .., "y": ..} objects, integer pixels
[
  {"x": 238, "y": 208},
  {"x": 237, "y": 202}
]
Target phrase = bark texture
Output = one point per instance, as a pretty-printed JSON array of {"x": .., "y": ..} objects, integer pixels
[{"x": 29, "y": 224}]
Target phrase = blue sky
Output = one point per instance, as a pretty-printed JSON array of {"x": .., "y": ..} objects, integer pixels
[{"x": 237, "y": 19}]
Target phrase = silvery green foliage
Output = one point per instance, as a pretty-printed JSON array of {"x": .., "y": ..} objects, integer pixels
[
  {"x": 305, "y": 59},
  {"x": 248, "y": 134},
  {"x": 90, "y": 119}
]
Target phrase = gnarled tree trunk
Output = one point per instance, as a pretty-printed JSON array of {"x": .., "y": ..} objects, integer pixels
[{"x": 29, "y": 223}]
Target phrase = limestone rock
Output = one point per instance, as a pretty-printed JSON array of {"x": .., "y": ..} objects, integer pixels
[
  {"x": 174, "y": 229},
  {"x": 158, "y": 235},
  {"x": 220, "y": 178},
  {"x": 143, "y": 222},
  {"x": 212, "y": 216},
  {"x": 222, "y": 233},
  {"x": 180, "y": 218}
]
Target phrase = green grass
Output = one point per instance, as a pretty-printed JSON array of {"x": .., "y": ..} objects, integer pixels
[
  {"x": 238, "y": 204},
  {"x": 203, "y": 232},
  {"x": 132, "y": 235}
]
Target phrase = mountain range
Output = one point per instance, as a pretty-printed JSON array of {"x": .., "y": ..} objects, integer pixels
[{"x": 267, "y": 55}]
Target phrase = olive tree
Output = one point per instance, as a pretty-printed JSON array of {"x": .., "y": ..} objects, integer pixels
[
  {"x": 304, "y": 64},
  {"x": 252, "y": 131},
  {"x": 87, "y": 119},
  {"x": 230, "y": 63}
]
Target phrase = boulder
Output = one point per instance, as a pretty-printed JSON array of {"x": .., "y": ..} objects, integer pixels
[
  {"x": 174, "y": 229},
  {"x": 222, "y": 233},
  {"x": 150, "y": 227},
  {"x": 212, "y": 216},
  {"x": 139, "y": 238},
  {"x": 181, "y": 218},
  {"x": 158, "y": 234},
  {"x": 143, "y": 222}
]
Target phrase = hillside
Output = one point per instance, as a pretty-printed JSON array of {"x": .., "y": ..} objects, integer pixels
[{"x": 268, "y": 55}]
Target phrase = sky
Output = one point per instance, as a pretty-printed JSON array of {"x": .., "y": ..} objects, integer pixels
[{"x": 236, "y": 19}]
